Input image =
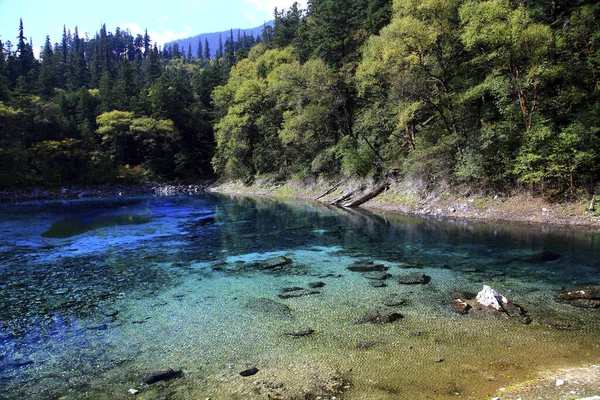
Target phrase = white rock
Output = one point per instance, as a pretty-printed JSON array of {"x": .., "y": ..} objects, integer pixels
[
  {"x": 490, "y": 298},
  {"x": 559, "y": 382},
  {"x": 133, "y": 391}
]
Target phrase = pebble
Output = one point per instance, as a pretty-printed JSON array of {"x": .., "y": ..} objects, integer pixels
[{"x": 559, "y": 382}]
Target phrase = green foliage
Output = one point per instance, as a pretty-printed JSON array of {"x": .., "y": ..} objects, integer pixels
[{"x": 487, "y": 92}]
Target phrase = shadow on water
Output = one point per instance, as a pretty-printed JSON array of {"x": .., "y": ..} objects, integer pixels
[{"x": 74, "y": 226}]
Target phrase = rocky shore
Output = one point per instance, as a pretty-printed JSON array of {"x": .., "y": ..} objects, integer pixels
[
  {"x": 105, "y": 190},
  {"x": 399, "y": 198}
]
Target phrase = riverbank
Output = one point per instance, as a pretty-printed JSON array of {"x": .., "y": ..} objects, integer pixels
[
  {"x": 398, "y": 198},
  {"x": 105, "y": 190}
]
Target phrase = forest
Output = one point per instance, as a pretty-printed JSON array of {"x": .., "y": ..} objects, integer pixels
[{"x": 495, "y": 94}]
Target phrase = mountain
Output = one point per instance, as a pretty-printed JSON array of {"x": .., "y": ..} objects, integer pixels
[{"x": 213, "y": 38}]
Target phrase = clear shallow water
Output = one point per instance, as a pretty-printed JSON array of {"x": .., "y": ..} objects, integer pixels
[{"x": 96, "y": 292}]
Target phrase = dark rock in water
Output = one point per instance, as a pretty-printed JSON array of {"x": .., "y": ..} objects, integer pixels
[
  {"x": 249, "y": 371},
  {"x": 542, "y": 257},
  {"x": 297, "y": 293},
  {"x": 316, "y": 285},
  {"x": 365, "y": 345},
  {"x": 393, "y": 300},
  {"x": 274, "y": 262},
  {"x": 110, "y": 312},
  {"x": 414, "y": 279},
  {"x": 377, "y": 284},
  {"x": 560, "y": 323},
  {"x": 584, "y": 297},
  {"x": 366, "y": 266},
  {"x": 377, "y": 275},
  {"x": 300, "y": 332},
  {"x": 101, "y": 327},
  {"x": 161, "y": 375},
  {"x": 291, "y": 289},
  {"x": 269, "y": 306},
  {"x": 20, "y": 363},
  {"x": 379, "y": 317},
  {"x": 330, "y": 276}
]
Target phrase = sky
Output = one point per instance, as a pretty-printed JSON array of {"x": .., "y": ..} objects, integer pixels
[{"x": 165, "y": 20}]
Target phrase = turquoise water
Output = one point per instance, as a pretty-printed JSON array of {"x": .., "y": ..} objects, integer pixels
[{"x": 95, "y": 293}]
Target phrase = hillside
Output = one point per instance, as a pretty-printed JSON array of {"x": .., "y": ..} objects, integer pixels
[{"x": 213, "y": 38}]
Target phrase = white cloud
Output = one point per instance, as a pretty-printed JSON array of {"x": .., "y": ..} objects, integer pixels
[{"x": 162, "y": 34}]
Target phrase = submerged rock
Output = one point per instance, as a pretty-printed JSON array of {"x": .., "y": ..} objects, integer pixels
[
  {"x": 584, "y": 297},
  {"x": 151, "y": 377},
  {"x": 315, "y": 285},
  {"x": 269, "y": 306},
  {"x": 366, "y": 266},
  {"x": 249, "y": 372},
  {"x": 377, "y": 284},
  {"x": 300, "y": 332},
  {"x": 379, "y": 317},
  {"x": 296, "y": 292},
  {"x": 414, "y": 279},
  {"x": 393, "y": 300},
  {"x": 542, "y": 257},
  {"x": 274, "y": 262},
  {"x": 377, "y": 275}
]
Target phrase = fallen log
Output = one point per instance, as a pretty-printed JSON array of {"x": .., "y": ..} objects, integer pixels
[
  {"x": 373, "y": 193},
  {"x": 331, "y": 189},
  {"x": 343, "y": 197}
]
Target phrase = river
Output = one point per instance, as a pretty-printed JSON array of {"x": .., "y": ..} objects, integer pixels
[{"x": 95, "y": 293}]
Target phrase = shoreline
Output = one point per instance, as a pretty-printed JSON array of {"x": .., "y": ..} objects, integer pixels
[
  {"x": 521, "y": 209},
  {"x": 103, "y": 190}
]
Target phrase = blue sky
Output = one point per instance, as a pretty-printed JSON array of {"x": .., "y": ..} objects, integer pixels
[{"x": 165, "y": 20}]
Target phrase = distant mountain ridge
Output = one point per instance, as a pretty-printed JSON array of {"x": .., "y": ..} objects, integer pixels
[{"x": 213, "y": 38}]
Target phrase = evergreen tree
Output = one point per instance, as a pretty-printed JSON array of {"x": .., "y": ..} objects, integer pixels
[
  {"x": 189, "y": 52},
  {"x": 206, "y": 50},
  {"x": 147, "y": 43},
  {"x": 25, "y": 55},
  {"x": 199, "y": 53}
]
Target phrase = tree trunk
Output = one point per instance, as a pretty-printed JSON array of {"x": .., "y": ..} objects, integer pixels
[
  {"x": 343, "y": 197},
  {"x": 372, "y": 194},
  {"x": 331, "y": 189},
  {"x": 592, "y": 204}
]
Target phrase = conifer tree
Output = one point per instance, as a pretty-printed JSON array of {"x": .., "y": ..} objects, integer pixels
[
  {"x": 199, "y": 54},
  {"x": 206, "y": 50}
]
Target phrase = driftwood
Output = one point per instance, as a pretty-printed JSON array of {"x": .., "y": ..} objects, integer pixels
[
  {"x": 331, "y": 189},
  {"x": 373, "y": 193},
  {"x": 343, "y": 197}
]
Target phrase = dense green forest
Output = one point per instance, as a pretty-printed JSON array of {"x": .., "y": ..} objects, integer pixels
[{"x": 495, "y": 93}]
